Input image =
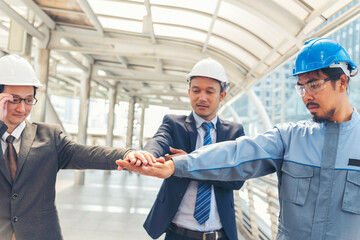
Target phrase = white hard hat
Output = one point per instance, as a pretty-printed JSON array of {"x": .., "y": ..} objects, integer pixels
[
  {"x": 15, "y": 70},
  {"x": 212, "y": 69}
]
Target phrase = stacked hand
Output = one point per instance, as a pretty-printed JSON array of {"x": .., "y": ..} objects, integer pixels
[{"x": 144, "y": 163}]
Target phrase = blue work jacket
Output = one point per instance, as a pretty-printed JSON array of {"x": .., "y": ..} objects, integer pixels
[{"x": 318, "y": 169}]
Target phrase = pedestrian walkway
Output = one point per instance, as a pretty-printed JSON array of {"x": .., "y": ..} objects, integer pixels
[{"x": 107, "y": 207}]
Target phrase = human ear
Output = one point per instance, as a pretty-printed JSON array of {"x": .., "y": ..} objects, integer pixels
[
  {"x": 344, "y": 80},
  {"x": 222, "y": 95}
]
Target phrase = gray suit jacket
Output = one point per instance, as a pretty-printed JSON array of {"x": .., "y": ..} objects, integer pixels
[{"x": 27, "y": 205}]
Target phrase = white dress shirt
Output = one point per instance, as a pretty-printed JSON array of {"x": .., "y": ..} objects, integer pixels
[
  {"x": 185, "y": 215},
  {"x": 16, "y": 133}
]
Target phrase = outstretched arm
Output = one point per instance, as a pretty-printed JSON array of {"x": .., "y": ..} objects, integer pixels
[{"x": 159, "y": 169}]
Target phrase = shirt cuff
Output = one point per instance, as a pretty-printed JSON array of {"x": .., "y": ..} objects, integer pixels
[{"x": 181, "y": 165}]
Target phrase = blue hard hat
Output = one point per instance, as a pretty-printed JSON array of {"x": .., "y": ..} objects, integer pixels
[{"x": 320, "y": 53}]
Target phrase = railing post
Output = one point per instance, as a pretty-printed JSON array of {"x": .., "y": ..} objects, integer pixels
[
  {"x": 272, "y": 211},
  {"x": 253, "y": 221},
  {"x": 238, "y": 213}
]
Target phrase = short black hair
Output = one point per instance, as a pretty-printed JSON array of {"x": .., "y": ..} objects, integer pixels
[
  {"x": 334, "y": 74},
  {"x": 2, "y": 87}
]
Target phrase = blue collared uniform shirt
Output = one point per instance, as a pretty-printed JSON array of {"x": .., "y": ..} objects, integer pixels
[{"x": 318, "y": 169}]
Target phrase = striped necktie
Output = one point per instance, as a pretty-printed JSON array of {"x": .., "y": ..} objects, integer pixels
[{"x": 202, "y": 205}]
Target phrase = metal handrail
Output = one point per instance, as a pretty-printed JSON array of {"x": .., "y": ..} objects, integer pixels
[{"x": 254, "y": 195}]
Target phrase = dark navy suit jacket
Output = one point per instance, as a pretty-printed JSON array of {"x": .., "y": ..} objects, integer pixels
[{"x": 180, "y": 132}]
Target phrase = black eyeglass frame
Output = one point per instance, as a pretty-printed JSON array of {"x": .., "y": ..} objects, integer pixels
[{"x": 24, "y": 99}]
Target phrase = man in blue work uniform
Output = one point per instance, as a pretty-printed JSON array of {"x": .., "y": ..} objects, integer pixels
[
  {"x": 174, "y": 210},
  {"x": 317, "y": 162}
]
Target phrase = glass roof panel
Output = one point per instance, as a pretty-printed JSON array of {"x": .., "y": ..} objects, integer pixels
[
  {"x": 245, "y": 19},
  {"x": 200, "y": 5},
  {"x": 119, "y": 9},
  {"x": 179, "y": 32},
  {"x": 294, "y": 8},
  {"x": 245, "y": 58},
  {"x": 249, "y": 42},
  {"x": 178, "y": 17},
  {"x": 335, "y": 8},
  {"x": 285, "y": 47},
  {"x": 271, "y": 58},
  {"x": 120, "y": 24},
  {"x": 312, "y": 25}
]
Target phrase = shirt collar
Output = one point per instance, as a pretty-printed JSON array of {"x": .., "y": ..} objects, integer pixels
[
  {"x": 199, "y": 120},
  {"x": 355, "y": 118},
  {"x": 16, "y": 133}
]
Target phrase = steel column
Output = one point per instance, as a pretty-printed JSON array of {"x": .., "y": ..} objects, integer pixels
[{"x": 130, "y": 126}]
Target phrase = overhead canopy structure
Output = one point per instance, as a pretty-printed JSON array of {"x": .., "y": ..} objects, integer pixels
[{"x": 145, "y": 48}]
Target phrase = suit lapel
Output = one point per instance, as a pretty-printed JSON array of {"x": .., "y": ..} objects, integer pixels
[
  {"x": 3, "y": 167},
  {"x": 220, "y": 131},
  {"x": 27, "y": 139},
  {"x": 191, "y": 127}
]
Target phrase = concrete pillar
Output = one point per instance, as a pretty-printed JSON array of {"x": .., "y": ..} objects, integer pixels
[
  {"x": 42, "y": 72},
  {"x": 83, "y": 117},
  {"x": 130, "y": 128},
  {"x": 142, "y": 123},
  {"x": 111, "y": 117}
]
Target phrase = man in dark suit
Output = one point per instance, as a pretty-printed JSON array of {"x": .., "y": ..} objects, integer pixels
[
  {"x": 33, "y": 156},
  {"x": 175, "y": 208}
]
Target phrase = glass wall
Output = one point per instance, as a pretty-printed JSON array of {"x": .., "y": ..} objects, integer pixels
[{"x": 278, "y": 95}]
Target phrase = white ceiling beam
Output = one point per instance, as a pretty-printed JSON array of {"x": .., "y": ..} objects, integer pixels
[
  {"x": 153, "y": 93},
  {"x": 148, "y": 20},
  {"x": 88, "y": 36},
  {"x": 65, "y": 79},
  {"x": 91, "y": 15},
  {"x": 9, "y": 11},
  {"x": 274, "y": 14},
  {"x": 40, "y": 13},
  {"x": 325, "y": 6},
  {"x": 60, "y": 10},
  {"x": 211, "y": 28},
  {"x": 123, "y": 61},
  {"x": 169, "y": 104},
  {"x": 2, "y": 26},
  {"x": 347, "y": 17},
  {"x": 159, "y": 66},
  {"x": 73, "y": 61},
  {"x": 133, "y": 47},
  {"x": 148, "y": 77}
]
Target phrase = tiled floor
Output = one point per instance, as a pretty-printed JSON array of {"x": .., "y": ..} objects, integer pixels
[{"x": 107, "y": 207}]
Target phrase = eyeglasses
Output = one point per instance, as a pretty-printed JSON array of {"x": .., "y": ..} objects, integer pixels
[
  {"x": 27, "y": 101},
  {"x": 312, "y": 88}
]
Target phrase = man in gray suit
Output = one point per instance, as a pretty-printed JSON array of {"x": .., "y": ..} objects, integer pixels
[{"x": 29, "y": 162}]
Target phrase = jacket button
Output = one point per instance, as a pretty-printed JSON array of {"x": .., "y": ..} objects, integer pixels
[
  {"x": 15, "y": 219},
  {"x": 180, "y": 195},
  {"x": 14, "y": 196}
]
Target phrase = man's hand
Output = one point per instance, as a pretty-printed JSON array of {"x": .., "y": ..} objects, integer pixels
[
  {"x": 176, "y": 152},
  {"x": 139, "y": 158},
  {"x": 160, "y": 170},
  {"x": 4, "y": 98}
]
